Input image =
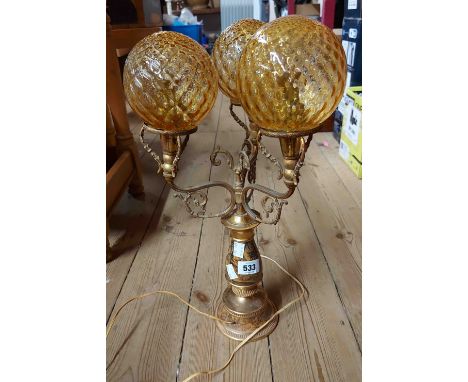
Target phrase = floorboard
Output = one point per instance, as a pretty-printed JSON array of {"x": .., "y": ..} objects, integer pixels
[
  {"x": 348, "y": 178},
  {"x": 335, "y": 234},
  {"x": 315, "y": 335},
  {"x": 145, "y": 343}
]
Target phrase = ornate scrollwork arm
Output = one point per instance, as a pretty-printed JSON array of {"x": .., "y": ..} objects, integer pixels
[
  {"x": 244, "y": 161},
  {"x": 272, "y": 203},
  {"x": 252, "y": 175},
  {"x": 149, "y": 149},
  {"x": 270, "y": 157},
  {"x": 249, "y": 150},
  {"x": 180, "y": 149},
  {"x": 195, "y": 201},
  {"x": 253, "y": 151},
  {"x": 217, "y": 162},
  {"x": 238, "y": 120},
  {"x": 177, "y": 156}
]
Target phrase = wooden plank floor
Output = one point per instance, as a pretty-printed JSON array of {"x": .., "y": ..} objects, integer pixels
[{"x": 318, "y": 239}]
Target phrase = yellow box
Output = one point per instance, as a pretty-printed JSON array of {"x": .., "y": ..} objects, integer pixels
[
  {"x": 354, "y": 164},
  {"x": 351, "y": 129}
]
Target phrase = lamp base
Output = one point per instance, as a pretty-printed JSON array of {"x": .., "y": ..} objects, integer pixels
[{"x": 260, "y": 308}]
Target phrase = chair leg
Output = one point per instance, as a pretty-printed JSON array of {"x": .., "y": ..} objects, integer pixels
[
  {"x": 109, "y": 256},
  {"x": 136, "y": 188},
  {"x": 111, "y": 142},
  {"x": 116, "y": 100},
  {"x": 127, "y": 142}
]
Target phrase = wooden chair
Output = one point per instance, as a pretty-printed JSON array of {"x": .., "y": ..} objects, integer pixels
[{"x": 126, "y": 168}]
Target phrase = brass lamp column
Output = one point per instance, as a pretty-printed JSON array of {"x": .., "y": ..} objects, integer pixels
[{"x": 245, "y": 303}]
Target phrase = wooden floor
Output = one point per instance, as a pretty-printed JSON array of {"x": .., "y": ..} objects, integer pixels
[{"x": 318, "y": 239}]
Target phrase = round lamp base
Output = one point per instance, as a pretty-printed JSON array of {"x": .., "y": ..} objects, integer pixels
[{"x": 245, "y": 324}]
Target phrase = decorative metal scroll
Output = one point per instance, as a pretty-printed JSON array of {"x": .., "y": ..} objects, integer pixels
[
  {"x": 227, "y": 155},
  {"x": 300, "y": 162},
  {"x": 149, "y": 149},
  {"x": 274, "y": 207},
  {"x": 270, "y": 157},
  {"x": 238, "y": 120},
  {"x": 272, "y": 203},
  {"x": 195, "y": 201}
]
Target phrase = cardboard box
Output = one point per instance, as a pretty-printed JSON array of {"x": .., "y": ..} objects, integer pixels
[
  {"x": 352, "y": 117},
  {"x": 351, "y": 129},
  {"x": 352, "y": 45},
  {"x": 338, "y": 118},
  {"x": 353, "y": 8},
  {"x": 351, "y": 160},
  {"x": 353, "y": 79}
]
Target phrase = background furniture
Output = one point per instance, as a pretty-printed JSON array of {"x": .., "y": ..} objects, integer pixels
[{"x": 124, "y": 168}]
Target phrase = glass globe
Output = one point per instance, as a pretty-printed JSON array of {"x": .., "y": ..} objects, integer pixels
[
  {"x": 291, "y": 75},
  {"x": 170, "y": 81},
  {"x": 226, "y": 53}
]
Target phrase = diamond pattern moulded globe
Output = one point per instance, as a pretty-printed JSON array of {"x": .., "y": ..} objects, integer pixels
[
  {"x": 227, "y": 51},
  {"x": 170, "y": 81},
  {"x": 291, "y": 75}
]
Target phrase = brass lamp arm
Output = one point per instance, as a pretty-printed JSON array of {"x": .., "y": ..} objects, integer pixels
[
  {"x": 215, "y": 161},
  {"x": 271, "y": 203},
  {"x": 181, "y": 147},
  {"x": 147, "y": 147},
  {"x": 195, "y": 201},
  {"x": 238, "y": 120},
  {"x": 246, "y": 160},
  {"x": 269, "y": 156}
]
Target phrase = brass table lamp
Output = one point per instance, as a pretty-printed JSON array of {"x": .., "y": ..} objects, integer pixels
[{"x": 289, "y": 76}]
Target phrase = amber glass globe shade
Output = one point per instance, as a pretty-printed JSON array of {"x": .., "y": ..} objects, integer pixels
[
  {"x": 291, "y": 75},
  {"x": 170, "y": 81},
  {"x": 227, "y": 51}
]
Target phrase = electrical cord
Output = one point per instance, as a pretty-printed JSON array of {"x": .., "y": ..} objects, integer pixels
[{"x": 238, "y": 347}]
